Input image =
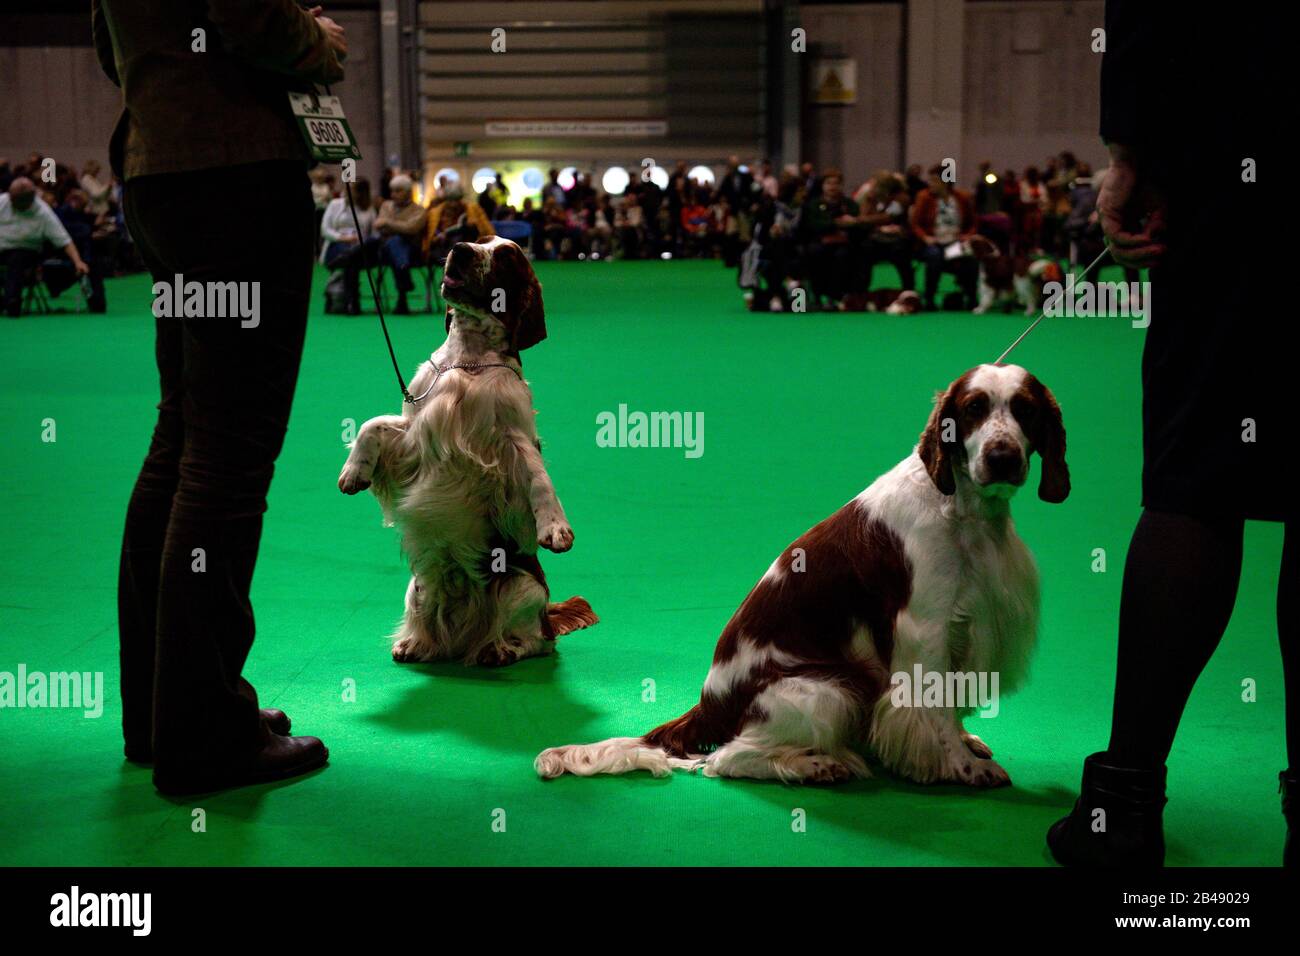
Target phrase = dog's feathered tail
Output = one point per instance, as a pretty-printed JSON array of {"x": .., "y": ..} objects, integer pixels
[
  {"x": 672, "y": 746},
  {"x": 574, "y": 614}
]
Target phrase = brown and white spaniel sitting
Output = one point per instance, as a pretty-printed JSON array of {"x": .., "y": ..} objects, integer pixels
[
  {"x": 922, "y": 573},
  {"x": 460, "y": 474}
]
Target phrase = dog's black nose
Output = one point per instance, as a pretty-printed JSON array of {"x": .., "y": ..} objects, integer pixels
[{"x": 1004, "y": 463}]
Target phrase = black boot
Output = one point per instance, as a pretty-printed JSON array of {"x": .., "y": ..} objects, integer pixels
[
  {"x": 279, "y": 758},
  {"x": 1289, "y": 786},
  {"x": 1127, "y": 832}
]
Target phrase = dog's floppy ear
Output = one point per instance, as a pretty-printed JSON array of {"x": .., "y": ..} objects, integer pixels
[
  {"x": 1048, "y": 437},
  {"x": 530, "y": 320},
  {"x": 526, "y": 316},
  {"x": 936, "y": 453}
]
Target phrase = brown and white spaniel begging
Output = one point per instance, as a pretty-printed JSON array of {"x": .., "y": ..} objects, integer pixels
[
  {"x": 922, "y": 573},
  {"x": 460, "y": 474}
]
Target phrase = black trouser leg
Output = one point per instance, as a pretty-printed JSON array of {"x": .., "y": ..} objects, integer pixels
[
  {"x": 1180, "y": 585},
  {"x": 140, "y": 562},
  {"x": 902, "y": 261},
  {"x": 18, "y": 263},
  {"x": 1288, "y": 632},
  {"x": 933, "y": 259},
  {"x": 195, "y": 518}
]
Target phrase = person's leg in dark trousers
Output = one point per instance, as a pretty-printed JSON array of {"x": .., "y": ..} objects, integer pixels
[
  {"x": 347, "y": 257},
  {"x": 900, "y": 257},
  {"x": 1180, "y": 585},
  {"x": 967, "y": 271},
  {"x": 897, "y": 255},
  {"x": 1288, "y": 632},
  {"x": 396, "y": 253},
  {"x": 195, "y": 518},
  {"x": 932, "y": 257},
  {"x": 18, "y": 264}
]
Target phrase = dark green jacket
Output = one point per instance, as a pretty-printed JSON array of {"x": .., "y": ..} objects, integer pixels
[{"x": 185, "y": 110}]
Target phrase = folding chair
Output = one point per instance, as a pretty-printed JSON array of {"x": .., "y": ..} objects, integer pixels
[{"x": 517, "y": 231}]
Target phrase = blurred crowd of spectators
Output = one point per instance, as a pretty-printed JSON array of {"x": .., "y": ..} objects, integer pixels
[
  {"x": 59, "y": 226},
  {"x": 801, "y": 228}
]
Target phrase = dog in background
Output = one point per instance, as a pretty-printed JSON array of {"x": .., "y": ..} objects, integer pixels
[
  {"x": 460, "y": 474},
  {"x": 1006, "y": 281},
  {"x": 923, "y": 569},
  {"x": 889, "y": 301}
]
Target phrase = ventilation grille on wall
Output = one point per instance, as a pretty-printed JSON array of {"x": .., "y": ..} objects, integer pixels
[{"x": 667, "y": 79}]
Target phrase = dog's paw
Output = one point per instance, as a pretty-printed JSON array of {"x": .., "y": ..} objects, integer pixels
[
  {"x": 555, "y": 535},
  {"x": 982, "y": 773},
  {"x": 821, "y": 768},
  {"x": 354, "y": 478},
  {"x": 976, "y": 746},
  {"x": 408, "y": 650},
  {"x": 509, "y": 650},
  {"x": 550, "y": 763},
  {"x": 501, "y": 654}
]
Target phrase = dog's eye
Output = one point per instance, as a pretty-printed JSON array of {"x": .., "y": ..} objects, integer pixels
[
  {"x": 1024, "y": 410},
  {"x": 976, "y": 408}
]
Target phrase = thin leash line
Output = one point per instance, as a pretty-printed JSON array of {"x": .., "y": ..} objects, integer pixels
[
  {"x": 1043, "y": 314},
  {"x": 374, "y": 292},
  {"x": 439, "y": 369}
]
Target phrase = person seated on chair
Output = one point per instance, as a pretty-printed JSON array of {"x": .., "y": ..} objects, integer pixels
[
  {"x": 883, "y": 203},
  {"x": 941, "y": 217},
  {"x": 82, "y": 226},
  {"x": 400, "y": 229},
  {"x": 454, "y": 219},
  {"x": 345, "y": 252},
  {"x": 26, "y": 223},
  {"x": 1083, "y": 225},
  {"x": 831, "y": 226}
]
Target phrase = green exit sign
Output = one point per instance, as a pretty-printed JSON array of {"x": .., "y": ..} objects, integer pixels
[{"x": 462, "y": 149}]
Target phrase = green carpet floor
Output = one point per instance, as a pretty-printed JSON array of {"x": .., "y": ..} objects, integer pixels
[{"x": 801, "y": 412}]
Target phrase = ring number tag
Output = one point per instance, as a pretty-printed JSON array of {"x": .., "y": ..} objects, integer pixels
[{"x": 324, "y": 128}]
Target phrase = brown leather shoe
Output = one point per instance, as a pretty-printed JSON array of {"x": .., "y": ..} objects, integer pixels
[
  {"x": 280, "y": 758},
  {"x": 277, "y": 722}
]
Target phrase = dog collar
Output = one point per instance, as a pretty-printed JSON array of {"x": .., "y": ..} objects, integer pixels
[{"x": 467, "y": 366}]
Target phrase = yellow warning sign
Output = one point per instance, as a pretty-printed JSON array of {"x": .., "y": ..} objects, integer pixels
[{"x": 835, "y": 81}]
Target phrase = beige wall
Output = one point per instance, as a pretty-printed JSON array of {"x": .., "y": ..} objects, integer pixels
[
  {"x": 57, "y": 101},
  {"x": 861, "y": 137},
  {"x": 1007, "y": 81},
  {"x": 697, "y": 64},
  {"x": 1011, "y": 82},
  {"x": 1030, "y": 82}
]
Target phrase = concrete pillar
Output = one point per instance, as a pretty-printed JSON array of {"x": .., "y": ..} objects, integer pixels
[
  {"x": 933, "y": 107},
  {"x": 390, "y": 59}
]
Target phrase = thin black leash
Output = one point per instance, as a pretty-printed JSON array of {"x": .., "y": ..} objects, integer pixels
[
  {"x": 374, "y": 294},
  {"x": 1050, "y": 304}
]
